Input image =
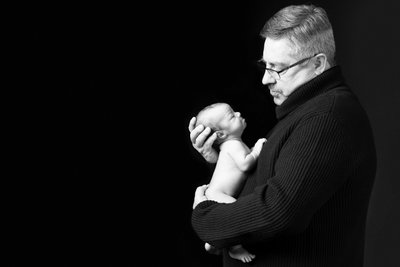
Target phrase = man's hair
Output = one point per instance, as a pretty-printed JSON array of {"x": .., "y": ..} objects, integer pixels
[{"x": 308, "y": 29}]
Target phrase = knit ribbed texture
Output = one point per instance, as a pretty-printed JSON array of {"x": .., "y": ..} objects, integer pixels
[{"x": 306, "y": 202}]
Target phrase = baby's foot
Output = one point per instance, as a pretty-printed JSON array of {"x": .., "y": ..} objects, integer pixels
[{"x": 239, "y": 253}]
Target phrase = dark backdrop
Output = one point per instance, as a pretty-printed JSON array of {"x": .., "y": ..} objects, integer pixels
[{"x": 122, "y": 84}]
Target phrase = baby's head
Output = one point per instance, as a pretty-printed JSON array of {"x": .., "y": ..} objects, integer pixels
[{"x": 221, "y": 118}]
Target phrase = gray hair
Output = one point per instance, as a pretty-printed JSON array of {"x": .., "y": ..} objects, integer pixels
[{"x": 307, "y": 27}]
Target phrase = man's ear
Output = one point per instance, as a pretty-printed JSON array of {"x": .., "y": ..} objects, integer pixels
[{"x": 320, "y": 63}]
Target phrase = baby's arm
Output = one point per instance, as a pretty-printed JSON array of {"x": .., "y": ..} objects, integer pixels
[
  {"x": 255, "y": 151},
  {"x": 244, "y": 157}
]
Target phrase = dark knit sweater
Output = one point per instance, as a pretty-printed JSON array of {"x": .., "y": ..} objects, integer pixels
[{"x": 306, "y": 202}]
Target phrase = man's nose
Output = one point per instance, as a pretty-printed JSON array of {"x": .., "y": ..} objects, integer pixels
[
  {"x": 267, "y": 78},
  {"x": 237, "y": 114}
]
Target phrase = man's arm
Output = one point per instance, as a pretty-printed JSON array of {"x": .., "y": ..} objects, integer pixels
[{"x": 312, "y": 165}]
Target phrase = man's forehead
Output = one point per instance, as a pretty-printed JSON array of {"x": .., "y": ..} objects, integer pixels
[{"x": 277, "y": 52}]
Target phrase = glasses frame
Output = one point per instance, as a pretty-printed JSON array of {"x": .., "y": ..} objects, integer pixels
[{"x": 276, "y": 74}]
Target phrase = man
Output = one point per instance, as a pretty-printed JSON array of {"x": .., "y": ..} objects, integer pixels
[{"x": 306, "y": 202}]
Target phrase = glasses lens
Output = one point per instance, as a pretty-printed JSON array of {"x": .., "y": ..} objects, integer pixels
[{"x": 274, "y": 74}]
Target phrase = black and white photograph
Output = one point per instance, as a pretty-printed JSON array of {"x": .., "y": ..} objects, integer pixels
[{"x": 207, "y": 134}]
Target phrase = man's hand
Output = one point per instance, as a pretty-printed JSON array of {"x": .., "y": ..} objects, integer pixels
[
  {"x": 200, "y": 195},
  {"x": 201, "y": 143}
]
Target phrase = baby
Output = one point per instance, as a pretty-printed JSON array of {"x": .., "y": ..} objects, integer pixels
[{"x": 235, "y": 158}]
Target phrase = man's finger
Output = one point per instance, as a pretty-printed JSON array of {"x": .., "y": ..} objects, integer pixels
[
  {"x": 210, "y": 141},
  {"x": 199, "y": 195},
  {"x": 202, "y": 137},
  {"x": 192, "y": 123},
  {"x": 195, "y": 133},
  {"x": 201, "y": 190}
]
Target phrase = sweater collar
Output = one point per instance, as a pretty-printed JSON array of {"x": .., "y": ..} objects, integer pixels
[{"x": 324, "y": 82}]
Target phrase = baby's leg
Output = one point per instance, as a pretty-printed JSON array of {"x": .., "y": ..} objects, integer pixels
[
  {"x": 240, "y": 253},
  {"x": 219, "y": 196}
]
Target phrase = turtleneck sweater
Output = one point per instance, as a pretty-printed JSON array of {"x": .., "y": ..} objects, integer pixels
[{"x": 306, "y": 201}]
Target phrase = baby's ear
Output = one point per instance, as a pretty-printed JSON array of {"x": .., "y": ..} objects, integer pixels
[{"x": 221, "y": 135}]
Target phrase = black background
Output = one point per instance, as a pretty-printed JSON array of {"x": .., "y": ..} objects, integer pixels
[{"x": 114, "y": 88}]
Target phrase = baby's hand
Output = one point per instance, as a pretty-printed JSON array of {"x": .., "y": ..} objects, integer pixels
[{"x": 258, "y": 146}]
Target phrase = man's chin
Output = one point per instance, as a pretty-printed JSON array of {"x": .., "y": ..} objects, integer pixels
[{"x": 279, "y": 100}]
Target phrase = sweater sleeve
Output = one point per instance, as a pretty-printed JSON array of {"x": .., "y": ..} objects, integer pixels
[{"x": 312, "y": 164}]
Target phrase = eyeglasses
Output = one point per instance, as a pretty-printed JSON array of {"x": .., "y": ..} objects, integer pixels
[{"x": 276, "y": 74}]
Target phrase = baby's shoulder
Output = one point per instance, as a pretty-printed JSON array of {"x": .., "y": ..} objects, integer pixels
[{"x": 233, "y": 144}]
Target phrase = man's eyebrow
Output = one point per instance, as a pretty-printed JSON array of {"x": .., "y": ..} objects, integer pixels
[{"x": 274, "y": 64}]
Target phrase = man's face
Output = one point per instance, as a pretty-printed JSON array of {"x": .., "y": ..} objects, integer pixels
[{"x": 277, "y": 55}]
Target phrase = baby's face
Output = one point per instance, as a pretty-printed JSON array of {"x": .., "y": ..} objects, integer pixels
[{"x": 229, "y": 120}]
